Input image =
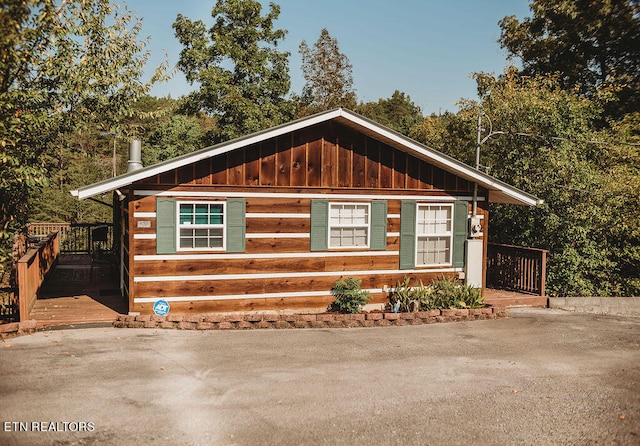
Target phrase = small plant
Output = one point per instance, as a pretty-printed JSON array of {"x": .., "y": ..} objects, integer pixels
[
  {"x": 451, "y": 294},
  {"x": 406, "y": 298},
  {"x": 442, "y": 293},
  {"x": 349, "y": 296},
  {"x": 401, "y": 298},
  {"x": 470, "y": 296}
]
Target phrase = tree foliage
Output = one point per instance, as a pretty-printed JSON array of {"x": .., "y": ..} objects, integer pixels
[
  {"x": 589, "y": 219},
  {"x": 398, "y": 112},
  {"x": 242, "y": 76},
  {"x": 63, "y": 66},
  {"x": 328, "y": 76},
  {"x": 451, "y": 133},
  {"x": 593, "y": 45},
  {"x": 175, "y": 136}
]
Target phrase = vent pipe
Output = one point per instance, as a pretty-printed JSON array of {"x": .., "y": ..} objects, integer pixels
[{"x": 135, "y": 155}]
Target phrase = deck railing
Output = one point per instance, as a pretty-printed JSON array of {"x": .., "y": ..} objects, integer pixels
[
  {"x": 32, "y": 270},
  {"x": 75, "y": 238},
  {"x": 517, "y": 268}
]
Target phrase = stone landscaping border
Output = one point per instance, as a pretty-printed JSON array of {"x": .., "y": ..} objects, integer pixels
[{"x": 311, "y": 320}]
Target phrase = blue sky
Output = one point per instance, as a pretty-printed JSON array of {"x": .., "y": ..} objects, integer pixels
[{"x": 427, "y": 49}]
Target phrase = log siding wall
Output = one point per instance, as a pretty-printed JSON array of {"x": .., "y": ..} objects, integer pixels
[{"x": 277, "y": 269}]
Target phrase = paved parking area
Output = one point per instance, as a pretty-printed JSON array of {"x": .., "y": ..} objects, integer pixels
[{"x": 540, "y": 377}]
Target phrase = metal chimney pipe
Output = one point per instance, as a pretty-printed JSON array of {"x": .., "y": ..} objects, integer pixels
[{"x": 135, "y": 155}]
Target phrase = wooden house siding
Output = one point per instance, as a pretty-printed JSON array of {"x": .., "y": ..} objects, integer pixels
[{"x": 277, "y": 269}]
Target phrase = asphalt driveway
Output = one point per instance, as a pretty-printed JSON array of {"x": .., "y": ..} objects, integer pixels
[{"x": 540, "y": 377}]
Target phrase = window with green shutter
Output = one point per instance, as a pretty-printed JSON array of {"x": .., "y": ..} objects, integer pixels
[
  {"x": 200, "y": 225},
  {"x": 432, "y": 235},
  {"x": 348, "y": 225}
]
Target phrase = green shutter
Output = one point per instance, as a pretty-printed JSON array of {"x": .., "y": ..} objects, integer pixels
[
  {"x": 236, "y": 225},
  {"x": 460, "y": 217},
  {"x": 165, "y": 225},
  {"x": 319, "y": 225},
  {"x": 408, "y": 234},
  {"x": 379, "y": 225}
]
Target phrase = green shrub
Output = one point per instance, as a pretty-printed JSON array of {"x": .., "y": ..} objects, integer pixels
[
  {"x": 349, "y": 297},
  {"x": 441, "y": 293},
  {"x": 448, "y": 293},
  {"x": 404, "y": 295}
]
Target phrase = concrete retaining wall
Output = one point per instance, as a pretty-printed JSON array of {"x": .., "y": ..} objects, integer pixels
[{"x": 616, "y": 306}]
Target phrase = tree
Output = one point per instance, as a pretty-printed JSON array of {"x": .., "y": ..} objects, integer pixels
[
  {"x": 175, "y": 136},
  {"x": 451, "y": 133},
  {"x": 328, "y": 76},
  {"x": 589, "y": 220},
  {"x": 63, "y": 65},
  {"x": 242, "y": 76},
  {"x": 550, "y": 145},
  {"x": 398, "y": 112},
  {"x": 594, "y": 46}
]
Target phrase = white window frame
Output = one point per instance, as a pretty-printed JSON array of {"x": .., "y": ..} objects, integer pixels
[
  {"x": 367, "y": 226},
  {"x": 180, "y": 226},
  {"x": 446, "y": 234}
]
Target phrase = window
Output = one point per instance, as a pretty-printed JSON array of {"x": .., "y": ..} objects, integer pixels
[
  {"x": 434, "y": 233},
  {"x": 201, "y": 226},
  {"x": 349, "y": 225}
]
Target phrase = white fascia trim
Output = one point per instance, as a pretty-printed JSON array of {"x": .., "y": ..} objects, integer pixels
[
  {"x": 249, "y": 215},
  {"x": 144, "y": 215},
  {"x": 286, "y": 274},
  {"x": 142, "y": 300},
  {"x": 275, "y": 215},
  {"x": 270, "y": 255},
  {"x": 278, "y": 235},
  {"x": 248, "y": 236}
]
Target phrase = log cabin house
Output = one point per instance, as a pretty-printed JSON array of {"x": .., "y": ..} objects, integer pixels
[{"x": 270, "y": 221}]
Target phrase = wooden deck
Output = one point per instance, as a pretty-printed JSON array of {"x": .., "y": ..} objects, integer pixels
[
  {"x": 503, "y": 298},
  {"x": 73, "y": 295}
]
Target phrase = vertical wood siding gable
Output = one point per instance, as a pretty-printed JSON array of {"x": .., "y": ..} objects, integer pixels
[{"x": 165, "y": 225}]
